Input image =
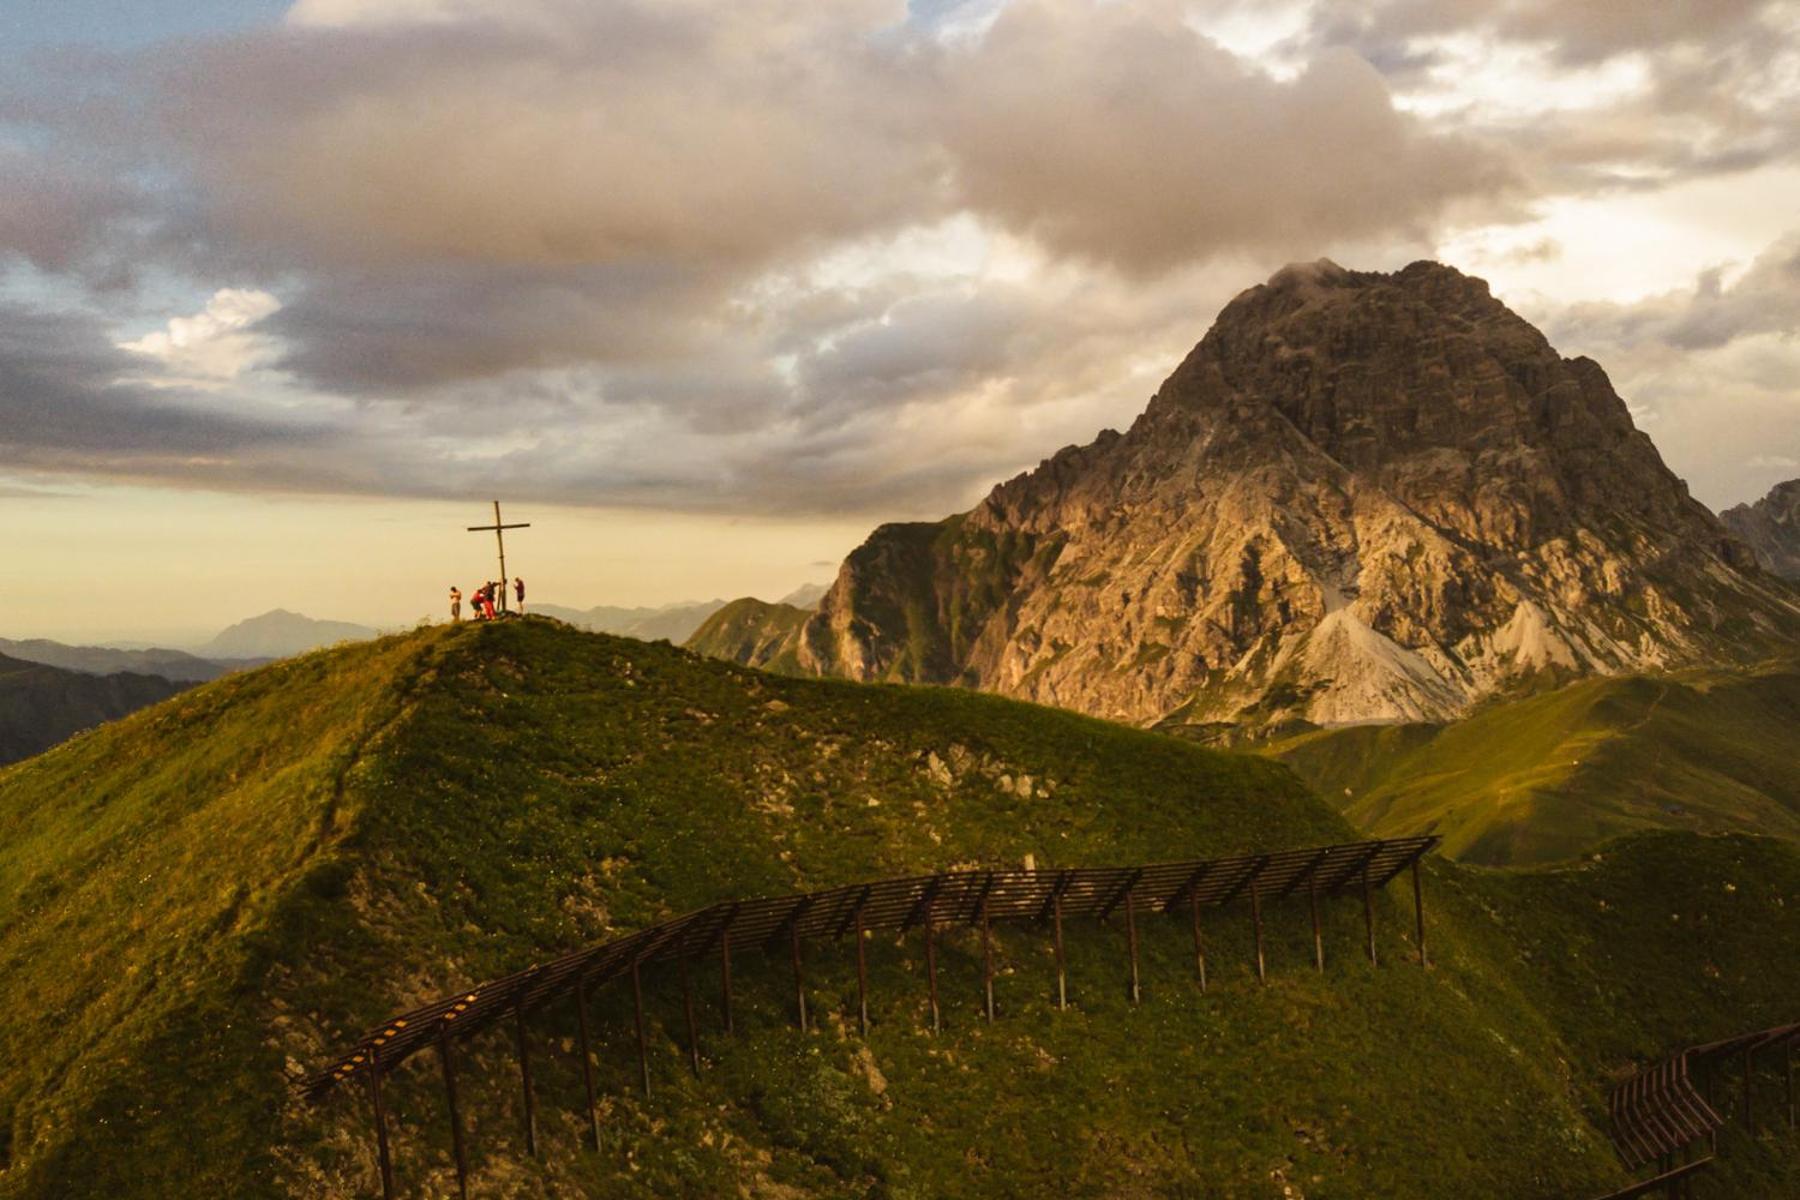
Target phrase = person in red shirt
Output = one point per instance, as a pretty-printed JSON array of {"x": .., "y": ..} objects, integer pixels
[{"x": 519, "y": 591}]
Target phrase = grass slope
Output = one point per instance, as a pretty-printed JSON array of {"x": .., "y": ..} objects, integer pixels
[
  {"x": 755, "y": 632},
  {"x": 1553, "y": 775},
  {"x": 204, "y": 899}
]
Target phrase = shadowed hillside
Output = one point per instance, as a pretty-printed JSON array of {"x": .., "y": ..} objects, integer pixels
[
  {"x": 42, "y": 705},
  {"x": 1554, "y": 775},
  {"x": 200, "y": 903}
]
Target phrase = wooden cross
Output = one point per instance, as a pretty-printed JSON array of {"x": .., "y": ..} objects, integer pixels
[{"x": 500, "y": 538}]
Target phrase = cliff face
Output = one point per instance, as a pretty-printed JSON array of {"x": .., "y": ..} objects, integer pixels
[
  {"x": 1362, "y": 497},
  {"x": 1771, "y": 527}
]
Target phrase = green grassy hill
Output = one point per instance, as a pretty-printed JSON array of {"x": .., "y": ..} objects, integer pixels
[
  {"x": 753, "y": 631},
  {"x": 204, "y": 900},
  {"x": 1551, "y": 776}
]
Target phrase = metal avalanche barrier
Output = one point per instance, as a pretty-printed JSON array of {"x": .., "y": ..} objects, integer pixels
[
  {"x": 925, "y": 902},
  {"x": 1663, "y": 1114}
]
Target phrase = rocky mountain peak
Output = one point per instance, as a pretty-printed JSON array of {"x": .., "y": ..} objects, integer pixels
[
  {"x": 1362, "y": 496},
  {"x": 1771, "y": 528}
]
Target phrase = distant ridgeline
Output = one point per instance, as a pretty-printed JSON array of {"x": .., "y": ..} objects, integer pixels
[
  {"x": 203, "y": 902},
  {"x": 43, "y": 705}
]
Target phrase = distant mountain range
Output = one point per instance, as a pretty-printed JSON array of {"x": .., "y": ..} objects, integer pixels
[
  {"x": 672, "y": 622},
  {"x": 1771, "y": 527},
  {"x": 1362, "y": 497},
  {"x": 104, "y": 660},
  {"x": 42, "y": 705},
  {"x": 279, "y": 634}
]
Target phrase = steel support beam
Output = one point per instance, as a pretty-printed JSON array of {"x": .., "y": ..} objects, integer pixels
[
  {"x": 1189, "y": 887},
  {"x": 725, "y": 979},
  {"x": 1199, "y": 940},
  {"x": 1250, "y": 877},
  {"x": 525, "y": 1088},
  {"x": 454, "y": 1107},
  {"x": 799, "y": 978},
  {"x": 1132, "y": 939},
  {"x": 922, "y": 907},
  {"x": 383, "y": 1159},
  {"x": 862, "y": 974},
  {"x": 1368, "y": 913},
  {"x": 637, "y": 1010},
  {"x": 1787, "y": 1074},
  {"x": 931, "y": 965},
  {"x": 687, "y": 1011},
  {"x": 1749, "y": 1090},
  {"x": 1419, "y": 912},
  {"x": 1057, "y": 889},
  {"x": 1312, "y": 904},
  {"x": 1262, "y": 972},
  {"x": 1118, "y": 897},
  {"x": 987, "y": 957},
  {"x": 587, "y": 1061}
]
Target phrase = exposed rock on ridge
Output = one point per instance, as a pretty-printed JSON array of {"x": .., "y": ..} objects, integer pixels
[
  {"x": 1362, "y": 497},
  {"x": 1771, "y": 527}
]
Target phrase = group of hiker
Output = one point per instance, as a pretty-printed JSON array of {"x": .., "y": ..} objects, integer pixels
[{"x": 488, "y": 600}]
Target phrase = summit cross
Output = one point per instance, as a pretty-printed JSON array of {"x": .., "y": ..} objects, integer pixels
[{"x": 500, "y": 539}]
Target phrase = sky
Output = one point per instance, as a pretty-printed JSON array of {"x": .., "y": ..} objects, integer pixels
[{"x": 706, "y": 289}]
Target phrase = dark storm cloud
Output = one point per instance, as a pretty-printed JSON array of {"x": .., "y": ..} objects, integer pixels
[
  {"x": 401, "y": 329},
  {"x": 62, "y": 404}
]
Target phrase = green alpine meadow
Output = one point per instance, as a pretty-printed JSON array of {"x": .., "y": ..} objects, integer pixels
[{"x": 203, "y": 902}]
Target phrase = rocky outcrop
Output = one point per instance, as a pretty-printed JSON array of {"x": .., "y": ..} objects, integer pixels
[
  {"x": 1771, "y": 527},
  {"x": 1362, "y": 497}
]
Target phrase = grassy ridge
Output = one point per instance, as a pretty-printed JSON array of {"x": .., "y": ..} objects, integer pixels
[
  {"x": 340, "y": 837},
  {"x": 754, "y": 632},
  {"x": 1553, "y": 775}
]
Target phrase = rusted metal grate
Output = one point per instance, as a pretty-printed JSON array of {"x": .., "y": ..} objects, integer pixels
[
  {"x": 1669, "y": 1107},
  {"x": 926, "y": 902},
  {"x": 964, "y": 897}
]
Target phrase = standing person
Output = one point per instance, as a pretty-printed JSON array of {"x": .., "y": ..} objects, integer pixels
[
  {"x": 519, "y": 591},
  {"x": 488, "y": 600},
  {"x": 455, "y": 603}
]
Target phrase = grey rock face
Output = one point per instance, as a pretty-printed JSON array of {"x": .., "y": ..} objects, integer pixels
[{"x": 1771, "y": 527}]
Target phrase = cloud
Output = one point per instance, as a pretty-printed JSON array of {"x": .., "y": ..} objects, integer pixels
[
  {"x": 214, "y": 345},
  {"x": 1121, "y": 134},
  {"x": 64, "y": 405},
  {"x": 767, "y": 257},
  {"x": 59, "y": 216},
  {"x": 1581, "y": 31},
  {"x": 1710, "y": 368},
  {"x": 1713, "y": 313}
]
